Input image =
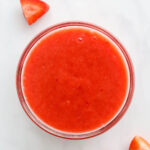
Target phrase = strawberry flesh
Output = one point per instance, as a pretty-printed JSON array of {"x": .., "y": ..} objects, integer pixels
[
  {"x": 33, "y": 9},
  {"x": 138, "y": 143}
]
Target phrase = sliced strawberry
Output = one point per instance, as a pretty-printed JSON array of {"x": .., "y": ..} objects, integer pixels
[
  {"x": 138, "y": 143},
  {"x": 33, "y": 9}
]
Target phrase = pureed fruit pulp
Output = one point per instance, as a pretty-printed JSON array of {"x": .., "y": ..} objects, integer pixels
[{"x": 75, "y": 80}]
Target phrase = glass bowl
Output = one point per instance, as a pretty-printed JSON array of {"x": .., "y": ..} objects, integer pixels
[{"x": 50, "y": 129}]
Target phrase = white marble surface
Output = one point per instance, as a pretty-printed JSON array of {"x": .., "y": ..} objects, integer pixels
[{"x": 128, "y": 20}]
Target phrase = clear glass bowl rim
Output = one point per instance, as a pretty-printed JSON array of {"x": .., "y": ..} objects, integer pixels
[{"x": 68, "y": 135}]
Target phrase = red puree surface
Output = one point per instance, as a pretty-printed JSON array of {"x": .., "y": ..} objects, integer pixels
[{"x": 75, "y": 80}]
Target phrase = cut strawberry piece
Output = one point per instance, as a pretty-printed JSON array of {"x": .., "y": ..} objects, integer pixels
[
  {"x": 138, "y": 143},
  {"x": 33, "y": 9}
]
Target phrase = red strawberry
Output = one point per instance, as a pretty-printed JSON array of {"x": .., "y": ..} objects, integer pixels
[
  {"x": 33, "y": 9},
  {"x": 138, "y": 143}
]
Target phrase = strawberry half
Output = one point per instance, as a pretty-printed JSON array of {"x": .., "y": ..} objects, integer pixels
[
  {"x": 138, "y": 143},
  {"x": 33, "y": 9}
]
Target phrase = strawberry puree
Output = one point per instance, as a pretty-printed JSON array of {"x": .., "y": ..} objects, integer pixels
[{"x": 75, "y": 80}]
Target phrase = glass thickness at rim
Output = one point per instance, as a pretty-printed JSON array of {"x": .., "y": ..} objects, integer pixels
[{"x": 51, "y": 130}]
